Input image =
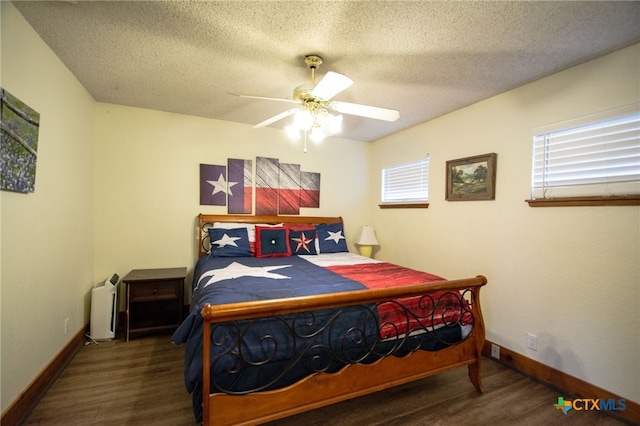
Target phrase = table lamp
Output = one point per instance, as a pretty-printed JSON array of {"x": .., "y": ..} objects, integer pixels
[{"x": 367, "y": 240}]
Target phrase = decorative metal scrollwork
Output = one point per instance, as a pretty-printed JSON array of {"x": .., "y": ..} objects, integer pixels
[
  {"x": 205, "y": 243},
  {"x": 266, "y": 353}
]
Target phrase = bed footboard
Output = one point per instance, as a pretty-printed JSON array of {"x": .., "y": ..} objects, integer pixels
[{"x": 402, "y": 334}]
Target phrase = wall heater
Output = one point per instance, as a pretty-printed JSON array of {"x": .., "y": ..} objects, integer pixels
[{"x": 104, "y": 309}]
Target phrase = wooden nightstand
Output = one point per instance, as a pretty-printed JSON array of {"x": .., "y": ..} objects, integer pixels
[{"x": 154, "y": 300}]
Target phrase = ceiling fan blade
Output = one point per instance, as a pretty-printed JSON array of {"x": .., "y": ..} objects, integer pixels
[
  {"x": 366, "y": 111},
  {"x": 263, "y": 97},
  {"x": 330, "y": 85},
  {"x": 276, "y": 118}
]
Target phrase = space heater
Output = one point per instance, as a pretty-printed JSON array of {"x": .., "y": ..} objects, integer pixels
[{"x": 104, "y": 309}]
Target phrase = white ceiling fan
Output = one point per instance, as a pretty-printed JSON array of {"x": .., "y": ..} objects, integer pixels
[{"x": 316, "y": 105}]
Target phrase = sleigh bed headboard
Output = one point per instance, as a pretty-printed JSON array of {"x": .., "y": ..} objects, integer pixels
[{"x": 206, "y": 221}]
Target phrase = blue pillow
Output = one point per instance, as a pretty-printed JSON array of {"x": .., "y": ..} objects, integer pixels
[
  {"x": 229, "y": 242},
  {"x": 303, "y": 241},
  {"x": 331, "y": 238}
]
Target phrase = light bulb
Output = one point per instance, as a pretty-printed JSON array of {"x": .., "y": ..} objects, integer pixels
[
  {"x": 292, "y": 132},
  {"x": 334, "y": 122},
  {"x": 317, "y": 135},
  {"x": 303, "y": 120}
]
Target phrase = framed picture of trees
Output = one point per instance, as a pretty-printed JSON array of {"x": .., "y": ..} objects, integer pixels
[{"x": 472, "y": 178}]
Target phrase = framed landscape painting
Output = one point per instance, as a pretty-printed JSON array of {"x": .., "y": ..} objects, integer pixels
[{"x": 472, "y": 178}]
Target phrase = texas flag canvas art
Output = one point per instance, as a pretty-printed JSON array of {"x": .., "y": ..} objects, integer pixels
[
  {"x": 267, "y": 181},
  {"x": 309, "y": 189},
  {"x": 213, "y": 185},
  {"x": 289, "y": 189},
  {"x": 280, "y": 188},
  {"x": 240, "y": 195}
]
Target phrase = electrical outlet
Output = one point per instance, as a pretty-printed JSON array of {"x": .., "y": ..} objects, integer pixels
[
  {"x": 532, "y": 341},
  {"x": 495, "y": 351},
  {"x": 66, "y": 326}
]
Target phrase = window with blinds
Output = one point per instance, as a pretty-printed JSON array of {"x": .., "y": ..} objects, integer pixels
[
  {"x": 406, "y": 183},
  {"x": 601, "y": 158}
]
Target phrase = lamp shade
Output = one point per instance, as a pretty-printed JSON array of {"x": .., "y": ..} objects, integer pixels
[{"x": 367, "y": 237}]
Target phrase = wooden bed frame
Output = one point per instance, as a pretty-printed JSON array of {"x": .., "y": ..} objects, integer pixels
[{"x": 354, "y": 380}]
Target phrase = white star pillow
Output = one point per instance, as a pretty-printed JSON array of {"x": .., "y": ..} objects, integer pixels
[
  {"x": 229, "y": 242},
  {"x": 331, "y": 238}
]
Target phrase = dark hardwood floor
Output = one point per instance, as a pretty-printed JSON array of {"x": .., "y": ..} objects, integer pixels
[{"x": 140, "y": 383}]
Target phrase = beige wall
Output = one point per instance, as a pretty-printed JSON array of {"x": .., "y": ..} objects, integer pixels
[
  {"x": 117, "y": 188},
  {"x": 569, "y": 275},
  {"x": 147, "y": 181},
  {"x": 47, "y": 236}
]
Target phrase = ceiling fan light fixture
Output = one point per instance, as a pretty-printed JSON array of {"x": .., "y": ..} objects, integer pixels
[
  {"x": 315, "y": 120},
  {"x": 317, "y": 135},
  {"x": 303, "y": 120},
  {"x": 318, "y": 115}
]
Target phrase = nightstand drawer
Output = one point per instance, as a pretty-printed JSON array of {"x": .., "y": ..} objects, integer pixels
[{"x": 154, "y": 291}]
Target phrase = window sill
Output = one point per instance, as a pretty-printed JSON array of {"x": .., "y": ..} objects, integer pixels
[
  {"x": 633, "y": 200},
  {"x": 404, "y": 206}
]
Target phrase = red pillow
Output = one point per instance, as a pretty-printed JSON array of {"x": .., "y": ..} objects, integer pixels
[{"x": 300, "y": 226}]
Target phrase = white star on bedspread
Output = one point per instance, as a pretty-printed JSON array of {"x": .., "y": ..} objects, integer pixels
[
  {"x": 226, "y": 240},
  {"x": 237, "y": 270},
  {"x": 335, "y": 236}
]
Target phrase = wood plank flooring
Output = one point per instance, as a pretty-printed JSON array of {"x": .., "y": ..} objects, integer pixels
[{"x": 140, "y": 382}]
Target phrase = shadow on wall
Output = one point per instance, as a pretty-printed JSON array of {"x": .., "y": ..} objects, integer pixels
[{"x": 558, "y": 355}]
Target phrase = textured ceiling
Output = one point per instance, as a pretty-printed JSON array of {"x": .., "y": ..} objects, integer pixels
[{"x": 422, "y": 58}]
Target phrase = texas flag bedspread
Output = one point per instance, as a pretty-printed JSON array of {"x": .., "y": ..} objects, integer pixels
[
  {"x": 230, "y": 280},
  {"x": 223, "y": 280},
  {"x": 405, "y": 314}
]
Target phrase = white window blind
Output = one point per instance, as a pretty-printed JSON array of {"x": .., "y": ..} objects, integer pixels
[
  {"x": 601, "y": 158},
  {"x": 406, "y": 183}
]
